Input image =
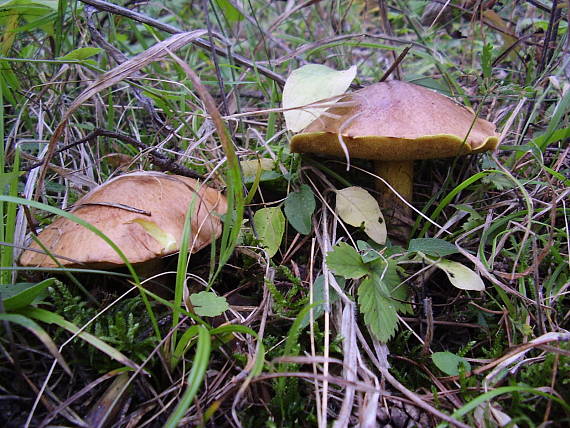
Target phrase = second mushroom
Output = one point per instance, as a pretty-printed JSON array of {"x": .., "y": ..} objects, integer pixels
[
  {"x": 394, "y": 123},
  {"x": 142, "y": 213}
]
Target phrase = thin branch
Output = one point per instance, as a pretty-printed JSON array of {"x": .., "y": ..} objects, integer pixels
[
  {"x": 163, "y": 162},
  {"x": 387, "y": 28},
  {"x": 418, "y": 401},
  {"x": 395, "y": 64}
]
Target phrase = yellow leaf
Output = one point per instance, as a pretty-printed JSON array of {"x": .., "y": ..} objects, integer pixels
[
  {"x": 9, "y": 33},
  {"x": 308, "y": 84},
  {"x": 459, "y": 275},
  {"x": 251, "y": 167},
  {"x": 356, "y": 206},
  {"x": 164, "y": 238}
]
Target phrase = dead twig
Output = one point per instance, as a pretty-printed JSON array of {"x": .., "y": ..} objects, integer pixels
[
  {"x": 161, "y": 161},
  {"x": 214, "y": 56},
  {"x": 418, "y": 401},
  {"x": 395, "y": 64},
  {"x": 387, "y": 28}
]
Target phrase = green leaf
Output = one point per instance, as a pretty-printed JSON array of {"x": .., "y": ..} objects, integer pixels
[
  {"x": 432, "y": 247},
  {"x": 231, "y": 13},
  {"x": 559, "y": 176},
  {"x": 16, "y": 296},
  {"x": 450, "y": 363},
  {"x": 345, "y": 261},
  {"x": 510, "y": 390},
  {"x": 486, "y": 60},
  {"x": 545, "y": 139},
  {"x": 319, "y": 298},
  {"x": 270, "y": 225},
  {"x": 299, "y": 208},
  {"x": 35, "y": 14},
  {"x": 81, "y": 54},
  {"x": 195, "y": 378},
  {"x": 380, "y": 313},
  {"x": 388, "y": 272},
  {"x": 308, "y": 84},
  {"x": 498, "y": 181},
  {"x": 6, "y": 179},
  {"x": 560, "y": 111},
  {"x": 356, "y": 207},
  {"x": 207, "y": 304},
  {"x": 460, "y": 275},
  {"x": 369, "y": 253},
  {"x": 264, "y": 177},
  {"x": 184, "y": 344}
]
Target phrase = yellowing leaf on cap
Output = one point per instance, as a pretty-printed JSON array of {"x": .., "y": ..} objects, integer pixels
[
  {"x": 308, "y": 84},
  {"x": 164, "y": 238},
  {"x": 356, "y": 206}
]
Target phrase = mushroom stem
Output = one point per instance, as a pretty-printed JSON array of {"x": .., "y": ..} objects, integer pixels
[{"x": 399, "y": 175}]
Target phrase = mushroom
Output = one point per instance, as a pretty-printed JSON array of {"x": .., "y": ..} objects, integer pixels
[
  {"x": 143, "y": 213},
  {"x": 394, "y": 123}
]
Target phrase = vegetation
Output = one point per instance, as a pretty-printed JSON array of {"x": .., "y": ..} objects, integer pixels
[{"x": 294, "y": 317}]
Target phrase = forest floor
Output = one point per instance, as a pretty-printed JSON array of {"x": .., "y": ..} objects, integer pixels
[{"x": 299, "y": 314}]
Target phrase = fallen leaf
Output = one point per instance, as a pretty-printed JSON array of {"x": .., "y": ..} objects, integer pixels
[
  {"x": 459, "y": 275},
  {"x": 356, "y": 206},
  {"x": 308, "y": 84},
  {"x": 270, "y": 226},
  {"x": 250, "y": 168}
]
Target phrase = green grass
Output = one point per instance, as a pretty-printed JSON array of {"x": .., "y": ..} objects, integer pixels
[{"x": 506, "y": 216}]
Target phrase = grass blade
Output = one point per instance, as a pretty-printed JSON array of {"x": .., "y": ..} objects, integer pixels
[
  {"x": 195, "y": 377},
  {"x": 52, "y": 318},
  {"x": 40, "y": 333}
]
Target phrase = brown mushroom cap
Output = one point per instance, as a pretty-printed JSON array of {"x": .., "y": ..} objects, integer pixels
[
  {"x": 395, "y": 121},
  {"x": 125, "y": 209}
]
